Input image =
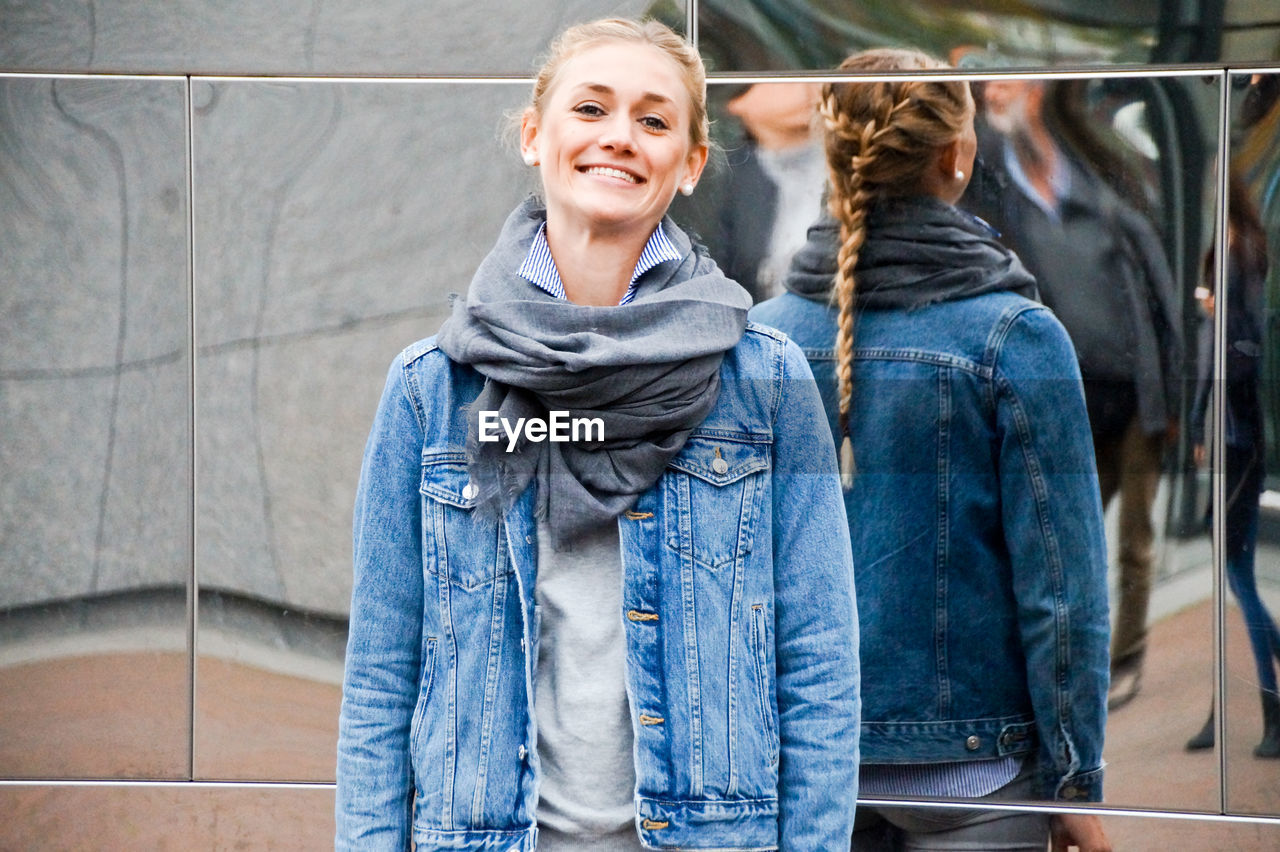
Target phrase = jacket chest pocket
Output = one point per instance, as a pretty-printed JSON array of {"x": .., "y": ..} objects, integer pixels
[
  {"x": 457, "y": 543},
  {"x": 714, "y": 488}
]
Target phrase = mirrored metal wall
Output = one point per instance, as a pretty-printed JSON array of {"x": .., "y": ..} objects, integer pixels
[
  {"x": 295, "y": 235},
  {"x": 1244, "y": 396},
  {"x": 95, "y": 459},
  {"x": 1117, "y": 241},
  {"x": 333, "y": 37},
  {"x": 772, "y": 35},
  {"x": 333, "y": 221}
]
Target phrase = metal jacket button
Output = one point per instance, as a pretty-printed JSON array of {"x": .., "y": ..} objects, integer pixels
[
  {"x": 972, "y": 743},
  {"x": 719, "y": 465},
  {"x": 469, "y": 491}
]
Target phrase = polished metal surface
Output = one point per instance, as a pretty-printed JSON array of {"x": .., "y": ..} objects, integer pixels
[
  {"x": 321, "y": 36},
  {"x": 95, "y": 460},
  {"x": 1248, "y": 359},
  {"x": 329, "y": 222},
  {"x": 789, "y": 35},
  {"x": 333, "y": 221}
]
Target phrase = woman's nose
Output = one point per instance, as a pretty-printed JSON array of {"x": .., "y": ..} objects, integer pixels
[{"x": 617, "y": 134}]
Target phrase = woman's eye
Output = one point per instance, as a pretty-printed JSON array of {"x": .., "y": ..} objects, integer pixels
[
  {"x": 654, "y": 122},
  {"x": 589, "y": 109}
]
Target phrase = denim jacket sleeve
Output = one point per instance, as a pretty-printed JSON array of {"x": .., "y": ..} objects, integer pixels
[
  {"x": 383, "y": 646},
  {"x": 1052, "y": 517},
  {"x": 816, "y": 623}
]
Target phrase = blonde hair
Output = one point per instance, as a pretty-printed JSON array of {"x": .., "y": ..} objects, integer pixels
[
  {"x": 578, "y": 38},
  {"x": 880, "y": 139}
]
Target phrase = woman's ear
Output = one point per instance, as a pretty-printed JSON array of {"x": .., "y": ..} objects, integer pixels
[
  {"x": 949, "y": 160},
  {"x": 696, "y": 162},
  {"x": 529, "y": 137},
  {"x": 946, "y": 178}
]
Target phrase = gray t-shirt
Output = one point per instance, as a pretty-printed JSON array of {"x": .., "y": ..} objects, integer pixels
[{"x": 586, "y": 799}]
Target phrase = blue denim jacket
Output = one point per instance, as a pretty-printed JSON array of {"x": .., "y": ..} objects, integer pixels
[
  {"x": 977, "y": 534},
  {"x": 741, "y": 629}
]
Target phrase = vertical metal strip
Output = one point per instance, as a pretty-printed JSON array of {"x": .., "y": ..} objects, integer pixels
[
  {"x": 1218, "y": 450},
  {"x": 192, "y": 580},
  {"x": 691, "y": 21}
]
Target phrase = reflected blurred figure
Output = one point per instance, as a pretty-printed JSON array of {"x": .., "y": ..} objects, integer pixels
[
  {"x": 1100, "y": 267},
  {"x": 1243, "y": 441},
  {"x": 973, "y": 510},
  {"x": 774, "y": 186}
]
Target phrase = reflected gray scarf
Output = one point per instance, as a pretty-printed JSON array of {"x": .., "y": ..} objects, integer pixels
[
  {"x": 649, "y": 370},
  {"x": 918, "y": 251}
]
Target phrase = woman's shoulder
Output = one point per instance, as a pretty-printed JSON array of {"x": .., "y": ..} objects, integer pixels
[
  {"x": 425, "y": 365},
  {"x": 764, "y": 356},
  {"x": 968, "y": 317},
  {"x": 418, "y": 350},
  {"x": 997, "y": 321},
  {"x": 809, "y": 323},
  {"x": 993, "y": 307},
  {"x": 786, "y": 309},
  {"x": 762, "y": 345}
]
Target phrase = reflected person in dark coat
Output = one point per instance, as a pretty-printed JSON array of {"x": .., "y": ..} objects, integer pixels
[
  {"x": 1101, "y": 268},
  {"x": 754, "y": 209},
  {"x": 777, "y": 179}
]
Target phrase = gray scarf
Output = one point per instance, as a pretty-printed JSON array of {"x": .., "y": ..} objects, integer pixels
[
  {"x": 918, "y": 250},
  {"x": 649, "y": 370}
]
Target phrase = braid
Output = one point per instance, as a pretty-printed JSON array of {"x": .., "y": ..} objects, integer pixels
[
  {"x": 879, "y": 140},
  {"x": 849, "y": 203},
  {"x": 850, "y": 210}
]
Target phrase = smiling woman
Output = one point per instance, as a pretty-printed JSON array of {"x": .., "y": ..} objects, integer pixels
[
  {"x": 613, "y": 141},
  {"x": 607, "y": 642}
]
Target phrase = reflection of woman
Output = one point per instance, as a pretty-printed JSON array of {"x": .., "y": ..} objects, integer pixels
[
  {"x": 982, "y": 580},
  {"x": 645, "y": 633},
  {"x": 1243, "y": 442}
]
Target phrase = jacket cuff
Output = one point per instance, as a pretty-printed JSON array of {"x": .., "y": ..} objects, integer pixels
[{"x": 1081, "y": 787}]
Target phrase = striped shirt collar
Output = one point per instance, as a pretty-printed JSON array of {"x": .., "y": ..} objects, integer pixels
[{"x": 540, "y": 269}]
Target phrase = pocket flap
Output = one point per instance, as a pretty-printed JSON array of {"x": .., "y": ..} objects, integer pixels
[
  {"x": 720, "y": 461},
  {"x": 445, "y": 478}
]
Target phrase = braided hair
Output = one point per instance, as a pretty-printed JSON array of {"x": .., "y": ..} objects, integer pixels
[{"x": 880, "y": 138}]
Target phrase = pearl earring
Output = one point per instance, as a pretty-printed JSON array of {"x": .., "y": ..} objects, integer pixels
[
  {"x": 959, "y": 174},
  {"x": 687, "y": 189},
  {"x": 530, "y": 158}
]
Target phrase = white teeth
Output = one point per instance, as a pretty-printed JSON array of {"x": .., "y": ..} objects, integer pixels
[{"x": 617, "y": 173}]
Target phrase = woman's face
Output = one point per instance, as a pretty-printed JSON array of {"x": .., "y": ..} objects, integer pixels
[{"x": 613, "y": 139}]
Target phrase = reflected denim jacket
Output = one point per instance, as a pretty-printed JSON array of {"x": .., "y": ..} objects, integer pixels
[
  {"x": 977, "y": 534},
  {"x": 741, "y": 629}
]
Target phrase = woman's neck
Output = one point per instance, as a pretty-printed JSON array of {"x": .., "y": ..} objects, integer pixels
[{"x": 595, "y": 267}]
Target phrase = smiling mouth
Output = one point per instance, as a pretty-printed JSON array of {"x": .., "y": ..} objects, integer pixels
[{"x": 606, "y": 171}]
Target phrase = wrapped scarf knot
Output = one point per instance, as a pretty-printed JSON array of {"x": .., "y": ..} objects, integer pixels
[{"x": 649, "y": 371}]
